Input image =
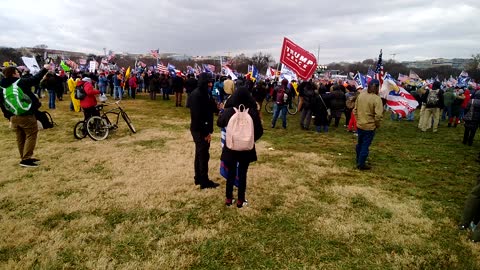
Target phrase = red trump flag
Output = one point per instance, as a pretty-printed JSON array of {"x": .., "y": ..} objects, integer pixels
[{"x": 297, "y": 59}]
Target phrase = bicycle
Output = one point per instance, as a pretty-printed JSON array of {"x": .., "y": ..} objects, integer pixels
[
  {"x": 292, "y": 107},
  {"x": 98, "y": 127}
]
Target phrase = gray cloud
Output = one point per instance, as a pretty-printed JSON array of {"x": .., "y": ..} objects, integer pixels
[{"x": 344, "y": 30}]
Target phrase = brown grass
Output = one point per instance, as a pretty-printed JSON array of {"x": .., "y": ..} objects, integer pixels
[{"x": 129, "y": 202}]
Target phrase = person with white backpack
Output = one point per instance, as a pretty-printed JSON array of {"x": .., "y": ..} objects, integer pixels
[{"x": 243, "y": 126}]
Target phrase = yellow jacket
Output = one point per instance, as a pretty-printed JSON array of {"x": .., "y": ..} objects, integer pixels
[
  {"x": 368, "y": 111},
  {"x": 71, "y": 87}
]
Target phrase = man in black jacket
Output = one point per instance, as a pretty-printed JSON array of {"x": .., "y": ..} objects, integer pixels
[
  {"x": 25, "y": 124},
  {"x": 190, "y": 85},
  {"x": 202, "y": 108}
]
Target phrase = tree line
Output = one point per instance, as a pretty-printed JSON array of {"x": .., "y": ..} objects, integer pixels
[{"x": 262, "y": 61}]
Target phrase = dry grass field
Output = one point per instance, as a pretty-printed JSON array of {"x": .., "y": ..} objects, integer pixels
[{"x": 129, "y": 202}]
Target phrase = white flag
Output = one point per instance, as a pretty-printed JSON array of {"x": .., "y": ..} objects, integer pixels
[
  {"x": 286, "y": 73},
  {"x": 31, "y": 64}
]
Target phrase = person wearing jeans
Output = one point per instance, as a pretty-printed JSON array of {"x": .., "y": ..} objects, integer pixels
[
  {"x": 280, "y": 110},
  {"x": 280, "y": 106},
  {"x": 369, "y": 113}
]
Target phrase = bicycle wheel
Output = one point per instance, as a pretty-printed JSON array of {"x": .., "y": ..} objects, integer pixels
[
  {"x": 97, "y": 128},
  {"x": 129, "y": 122},
  {"x": 269, "y": 106},
  {"x": 79, "y": 131},
  {"x": 292, "y": 108}
]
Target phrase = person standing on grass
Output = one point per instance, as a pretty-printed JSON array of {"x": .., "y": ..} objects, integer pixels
[
  {"x": 320, "y": 108},
  {"x": 433, "y": 100},
  {"x": 243, "y": 158},
  {"x": 154, "y": 86},
  {"x": 337, "y": 103},
  {"x": 281, "y": 102},
  {"x": 132, "y": 83},
  {"x": 102, "y": 83},
  {"x": 72, "y": 83},
  {"x": 368, "y": 111},
  {"x": 50, "y": 83},
  {"x": 472, "y": 119},
  {"x": 202, "y": 108},
  {"x": 89, "y": 103},
  {"x": 24, "y": 124},
  {"x": 178, "y": 85},
  {"x": 190, "y": 85}
]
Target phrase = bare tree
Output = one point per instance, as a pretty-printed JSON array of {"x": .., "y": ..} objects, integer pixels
[{"x": 41, "y": 46}]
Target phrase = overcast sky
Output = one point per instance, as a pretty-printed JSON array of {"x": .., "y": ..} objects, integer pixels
[{"x": 343, "y": 30}]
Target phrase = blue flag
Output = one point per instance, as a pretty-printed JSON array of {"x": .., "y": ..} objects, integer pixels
[
  {"x": 171, "y": 70},
  {"x": 360, "y": 80},
  {"x": 206, "y": 68},
  {"x": 255, "y": 72},
  {"x": 463, "y": 81}
]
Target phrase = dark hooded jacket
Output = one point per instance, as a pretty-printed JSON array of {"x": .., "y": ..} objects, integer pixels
[
  {"x": 472, "y": 115},
  {"x": 241, "y": 96},
  {"x": 26, "y": 85},
  {"x": 202, "y": 107}
]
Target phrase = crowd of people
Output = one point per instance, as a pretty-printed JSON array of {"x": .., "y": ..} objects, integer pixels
[{"x": 322, "y": 102}]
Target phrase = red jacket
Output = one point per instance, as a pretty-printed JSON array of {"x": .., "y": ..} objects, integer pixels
[
  {"x": 90, "y": 100},
  {"x": 467, "y": 98},
  {"x": 132, "y": 82}
]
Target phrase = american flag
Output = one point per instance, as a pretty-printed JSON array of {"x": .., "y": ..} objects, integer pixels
[
  {"x": 155, "y": 53},
  {"x": 401, "y": 102},
  {"x": 198, "y": 69},
  {"x": 413, "y": 75},
  {"x": 162, "y": 68},
  {"x": 379, "y": 69}
]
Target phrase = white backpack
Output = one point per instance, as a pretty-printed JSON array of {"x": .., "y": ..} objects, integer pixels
[{"x": 240, "y": 131}]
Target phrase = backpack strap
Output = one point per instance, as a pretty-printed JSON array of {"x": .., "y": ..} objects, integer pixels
[
  {"x": 14, "y": 85},
  {"x": 240, "y": 107}
]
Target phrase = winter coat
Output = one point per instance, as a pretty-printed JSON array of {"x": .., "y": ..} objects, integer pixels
[
  {"x": 102, "y": 81},
  {"x": 177, "y": 84},
  {"x": 71, "y": 88},
  {"x": 240, "y": 96},
  {"x": 202, "y": 107},
  {"x": 26, "y": 85},
  {"x": 467, "y": 98},
  {"x": 338, "y": 101},
  {"x": 132, "y": 82},
  {"x": 90, "y": 100},
  {"x": 448, "y": 97},
  {"x": 190, "y": 85},
  {"x": 473, "y": 117},
  {"x": 319, "y": 109}
]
